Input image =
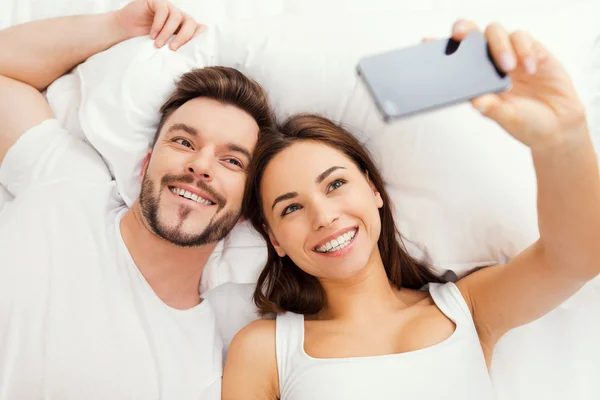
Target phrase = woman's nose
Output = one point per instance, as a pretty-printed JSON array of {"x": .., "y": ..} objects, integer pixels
[{"x": 324, "y": 214}]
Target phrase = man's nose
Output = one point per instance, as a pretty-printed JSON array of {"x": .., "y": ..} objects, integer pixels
[{"x": 201, "y": 166}]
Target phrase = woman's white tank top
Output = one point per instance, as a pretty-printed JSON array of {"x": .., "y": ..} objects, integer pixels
[{"x": 452, "y": 369}]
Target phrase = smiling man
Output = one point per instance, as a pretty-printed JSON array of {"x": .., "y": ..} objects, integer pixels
[
  {"x": 196, "y": 207},
  {"x": 98, "y": 301}
]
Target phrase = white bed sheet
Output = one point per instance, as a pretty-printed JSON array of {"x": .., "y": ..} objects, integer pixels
[
  {"x": 5, "y": 197},
  {"x": 552, "y": 358}
]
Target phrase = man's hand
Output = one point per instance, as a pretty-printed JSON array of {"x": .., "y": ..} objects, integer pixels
[
  {"x": 160, "y": 19},
  {"x": 36, "y": 53}
]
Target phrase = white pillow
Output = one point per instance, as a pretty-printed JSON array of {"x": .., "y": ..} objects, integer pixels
[{"x": 463, "y": 188}]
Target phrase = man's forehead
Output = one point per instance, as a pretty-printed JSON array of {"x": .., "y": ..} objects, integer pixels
[{"x": 213, "y": 120}]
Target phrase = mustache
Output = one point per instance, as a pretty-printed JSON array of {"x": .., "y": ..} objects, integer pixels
[{"x": 199, "y": 184}]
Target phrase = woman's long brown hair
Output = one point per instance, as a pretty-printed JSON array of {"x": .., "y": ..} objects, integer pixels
[{"x": 282, "y": 285}]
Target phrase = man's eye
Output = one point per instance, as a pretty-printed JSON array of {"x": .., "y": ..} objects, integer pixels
[
  {"x": 290, "y": 209},
  {"x": 336, "y": 185},
  {"x": 235, "y": 162},
  {"x": 183, "y": 142}
]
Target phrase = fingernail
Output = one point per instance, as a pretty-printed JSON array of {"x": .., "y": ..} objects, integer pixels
[
  {"x": 530, "y": 65},
  {"x": 159, "y": 43},
  {"x": 481, "y": 105},
  {"x": 482, "y": 108},
  {"x": 174, "y": 46},
  {"x": 459, "y": 28},
  {"x": 153, "y": 35},
  {"x": 507, "y": 62}
]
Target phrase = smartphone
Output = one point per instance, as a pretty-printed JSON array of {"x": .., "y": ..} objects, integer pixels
[{"x": 431, "y": 75}]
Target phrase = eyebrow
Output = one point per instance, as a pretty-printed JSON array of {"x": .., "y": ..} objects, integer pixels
[
  {"x": 322, "y": 176},
  {"x": 238, "y": 149},
  {"x": 326, "y": 173},
  {"x": 183, "y": 127},
  {"x": 283, "y": 197}
]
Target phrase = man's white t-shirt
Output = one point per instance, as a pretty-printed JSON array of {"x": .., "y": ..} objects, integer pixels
[{"x": 77, "y": 318}]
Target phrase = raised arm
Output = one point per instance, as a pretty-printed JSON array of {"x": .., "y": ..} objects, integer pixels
[
  {"x": 543, "y": 111},
  {"x": 34, "y": 54}
]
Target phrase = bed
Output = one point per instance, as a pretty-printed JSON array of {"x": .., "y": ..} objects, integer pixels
[{"x": 453, "y": 215}]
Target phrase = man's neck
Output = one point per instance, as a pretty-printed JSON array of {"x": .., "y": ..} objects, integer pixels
[{"x": 173, "y": 272}]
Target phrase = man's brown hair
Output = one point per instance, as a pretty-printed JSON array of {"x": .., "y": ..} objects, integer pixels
[{"x": 223, "y": 84}]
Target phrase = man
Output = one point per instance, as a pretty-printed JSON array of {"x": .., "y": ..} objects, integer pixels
[{"x": 98, "y": 301}]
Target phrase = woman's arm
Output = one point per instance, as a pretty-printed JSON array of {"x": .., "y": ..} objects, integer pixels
[
  {"x": 251, "y": 367},
  {"x": 543, "y": 111}
]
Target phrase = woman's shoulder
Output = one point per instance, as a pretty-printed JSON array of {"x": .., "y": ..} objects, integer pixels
[
  {"x": 259, "y": 334},
  {"x": 254, "y": 346},
  {"x": 251, "y": 367},
  {"x": 262, "y": 333}
]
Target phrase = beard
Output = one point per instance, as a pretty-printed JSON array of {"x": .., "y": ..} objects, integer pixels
[{"x": 216, "y": 229}]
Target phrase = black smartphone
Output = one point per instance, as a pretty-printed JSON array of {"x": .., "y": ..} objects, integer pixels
[{"x": 431, "y": 75}]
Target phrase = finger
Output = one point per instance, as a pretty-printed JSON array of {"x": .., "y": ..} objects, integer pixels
[
  {"x": 187, "y": 30},
  {"x": 501, "y": 47},
  {"x": 427, "y": 39},
  {"x": 199, "y": 29},
  {"x": 462, "y": 28},
  {"x": 541, "y": 53},
  {"x": 161, "y": 12},
  {"x": 173, "y": 22},
  {"x": 501, "y": 110},
  {"x": 522, "y": 44}
]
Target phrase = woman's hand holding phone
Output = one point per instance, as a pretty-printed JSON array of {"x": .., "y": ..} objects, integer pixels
[{"x": 542, "y": 106}]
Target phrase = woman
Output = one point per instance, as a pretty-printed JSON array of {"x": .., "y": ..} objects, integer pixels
[{"x": 351, "y": 321}]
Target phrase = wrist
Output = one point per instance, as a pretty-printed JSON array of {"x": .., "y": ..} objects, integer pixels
[
  {"x": 117, "y": 27},
  {"x": 564, "y": 141}
]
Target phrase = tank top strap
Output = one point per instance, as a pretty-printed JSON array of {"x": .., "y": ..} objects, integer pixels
[
  {"x": 449, "y": 300},
  {"x": 289, "y": 343}
]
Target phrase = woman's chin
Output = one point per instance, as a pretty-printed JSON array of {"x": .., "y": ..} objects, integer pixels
[{"x": 344, "y": 272}]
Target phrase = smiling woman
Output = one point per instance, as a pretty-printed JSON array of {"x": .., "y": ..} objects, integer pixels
[
  {"x": 354, "y": 316},
  {"x": 319, "y": 211}
]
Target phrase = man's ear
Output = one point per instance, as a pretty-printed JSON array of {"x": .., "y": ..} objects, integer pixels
[
  {"x": 274, "y": 242},
  {"x": 378, "y": 199},
  {"x": 145, "y": 165}
]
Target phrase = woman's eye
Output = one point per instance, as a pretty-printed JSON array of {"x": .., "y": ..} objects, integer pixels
[
  {"x": 183, "y": 142},
  {"x": 290, "y": 209},
  {"x": 336, "y": 184}
]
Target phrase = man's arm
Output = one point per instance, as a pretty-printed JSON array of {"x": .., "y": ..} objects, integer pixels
[
  {"x": 34, "y": 54},
  {"x": 39, "y": 52}
]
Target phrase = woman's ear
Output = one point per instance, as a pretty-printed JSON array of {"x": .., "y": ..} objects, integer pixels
[
  {"x": 274, "y": 242},
  {"x": 378, "y": 199}
]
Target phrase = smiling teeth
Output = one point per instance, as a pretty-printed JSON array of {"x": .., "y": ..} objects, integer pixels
[
  {"x": 191, "y": 196},
  {"x": 338, "y": 243}
]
